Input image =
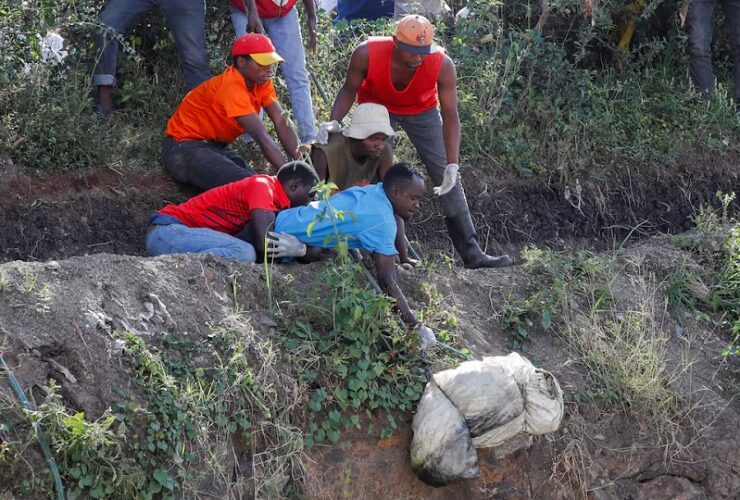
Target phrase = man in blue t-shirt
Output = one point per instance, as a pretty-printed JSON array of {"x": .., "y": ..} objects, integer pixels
[{"x": 367, "y": 222}]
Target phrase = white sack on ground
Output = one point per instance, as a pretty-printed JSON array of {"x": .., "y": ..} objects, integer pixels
[
  {"x": 544, "y": 405},
  {"x": 499, "y": 402},
  {"x": 487, "y": 395},
  {"x": 441, "y": 450}
]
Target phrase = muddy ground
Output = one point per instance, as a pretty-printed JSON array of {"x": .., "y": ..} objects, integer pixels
[
  {"x": 105, "y": 211},
  {"x": 57, "y": 313},
  {"x": 56, "y": 319}
]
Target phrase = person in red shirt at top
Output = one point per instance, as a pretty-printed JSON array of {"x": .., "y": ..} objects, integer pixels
[
  {"x": 230, "y": 221},
  {"x": 409, "y": 75},
  {"x": 219, "y": 110}
]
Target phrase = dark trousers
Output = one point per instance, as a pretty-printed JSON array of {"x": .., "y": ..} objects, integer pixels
[
  {"x": 425, "y": 133},
  {"x": 203, "y": 164},
  {"x": 700, "y": 30}
]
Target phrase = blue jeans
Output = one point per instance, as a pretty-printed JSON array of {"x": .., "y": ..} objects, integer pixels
[
  {"x": 285, "y": 33},
  {"x": 699, "y": 26},
  {"x": 187, "y": 19},
  {"x": 179, "y": 238}
]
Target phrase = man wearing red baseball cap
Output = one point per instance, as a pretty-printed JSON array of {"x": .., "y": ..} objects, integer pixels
[
  {"x": 221, "y": 109},
  {"x": 409, "y": 75}
]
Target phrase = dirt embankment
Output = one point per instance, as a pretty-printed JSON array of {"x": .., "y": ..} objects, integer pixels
[
  {"x": 107, "y": 212},
  {"x": 56, "y": 319}
]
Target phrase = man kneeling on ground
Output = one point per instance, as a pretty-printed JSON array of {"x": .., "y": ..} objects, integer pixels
[
  {"x": 231, "y": 220},
  {"x": 359, "y": 155},
  {"x": 371, "y": 226},
  {"x": 221, "y": 109}
]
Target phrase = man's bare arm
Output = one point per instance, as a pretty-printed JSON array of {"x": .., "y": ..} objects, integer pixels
[
  {"x": 310, "y": 6},
  {"x": 285, "y": 134},
  {"x": 447, "y": 91},
  {"x": 262, "y": 221},
  {"x": 318, "y": 158},
  {"x": 253, "y": 126},
  {"x": 254, "y": 23},
  {"x": 385, "y": 265},
  {"x": 355, "y": 75}
]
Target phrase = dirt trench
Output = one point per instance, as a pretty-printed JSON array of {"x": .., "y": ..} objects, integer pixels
[{"x": 104, "y": 211}]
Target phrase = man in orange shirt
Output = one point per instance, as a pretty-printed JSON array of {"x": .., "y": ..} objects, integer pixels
[
  {"x": 410, "y": 75},
  {"x": 221, "y": 109}
]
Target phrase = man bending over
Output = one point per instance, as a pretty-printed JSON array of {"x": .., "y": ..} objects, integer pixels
[
  {"x": 231, "y": 220},
  {"x": 221, "y": 109},
  {"x": 372, "y": 227},
  {"x": 410, "y": 75}
]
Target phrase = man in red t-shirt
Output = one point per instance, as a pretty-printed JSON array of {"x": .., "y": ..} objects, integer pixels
[
  {"x": 231, "y": 220},
  {"x": 408, "y": 74},
  {"x": 221, "y": 109}
]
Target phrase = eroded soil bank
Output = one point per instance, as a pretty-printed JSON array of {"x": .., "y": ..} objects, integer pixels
[
  {"x": 105, "y": 211},
  {"x": 56, "y": 319}
]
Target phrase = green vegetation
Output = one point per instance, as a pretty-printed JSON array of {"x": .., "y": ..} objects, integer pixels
[
  {"x": 716, "y": 244},
  {"x": 616, "y": 336},
  {"x": 558, "y": 99},
  {"x": 173, "y": 435},
  {"x": 352, "y": 353},
  {"x": 346, "y": 343}
]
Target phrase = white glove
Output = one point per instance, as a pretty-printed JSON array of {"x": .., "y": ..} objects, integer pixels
[
  {"x": 284, "y": 245},
  {"x": 426, "y": 337},
  {"x": 322, "y": 136},
  {"x": 449, "y": 180}
]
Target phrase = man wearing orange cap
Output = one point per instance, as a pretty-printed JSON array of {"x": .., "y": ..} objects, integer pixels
[
  {"x": 409, "y": 75},
  {"x": 221, "y": 109}
]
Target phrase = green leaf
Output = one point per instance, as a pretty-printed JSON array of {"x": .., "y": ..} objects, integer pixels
[
  {"x": 335, "y": 417},
  {"x": 334, "y": 436},
  {"x": 355, "y": 420},
  {"x": 341, "y": 395},
  {"x": 309, "y": 228},
  {"x": 163, "y": 478},
  {"x": 546, "y": 320}
]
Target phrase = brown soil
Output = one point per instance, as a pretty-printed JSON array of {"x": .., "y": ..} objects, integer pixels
[
  {"x": 58, "y": 313},
  {"x": 106, "y": 211},
  {"x": 55, "y": 319}
]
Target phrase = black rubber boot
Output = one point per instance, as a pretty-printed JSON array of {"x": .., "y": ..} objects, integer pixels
[{"x": 465, "y": 241}]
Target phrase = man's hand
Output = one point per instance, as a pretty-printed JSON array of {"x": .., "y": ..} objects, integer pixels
[
  {"x": 254, "y": 23},
  {"x": 426, "y": 336},
  {"x": 322, "y": 136},
  {"x": 409, "y": 264},
  {"x": 284, "y": 245},
  {"x": 449, "y": 180}
]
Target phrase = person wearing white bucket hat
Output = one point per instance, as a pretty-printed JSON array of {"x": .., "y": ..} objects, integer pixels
[{"x": 358, "y": 154}]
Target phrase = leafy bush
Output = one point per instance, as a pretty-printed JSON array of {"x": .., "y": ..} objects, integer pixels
[{"x": 560, "y": 99}]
